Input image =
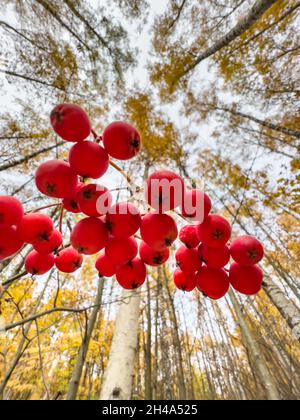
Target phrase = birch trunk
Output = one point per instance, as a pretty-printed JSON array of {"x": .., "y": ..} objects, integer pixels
[
  {"x": 267, "y": 124},
  {"x": 178, "y": 349},
  {"x": 77, "y": 372},
  {"x": 286, "y": 307},
  {"x": 148, "y": 361},
  {"x": 27, "y": 158},
  {"x": 118, "y": 377},
  {"x": 258, "y": 361},
  {"x": 245, "y": 23}
]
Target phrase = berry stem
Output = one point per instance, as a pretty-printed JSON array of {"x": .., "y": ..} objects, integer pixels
[
  {"x": 44, "y": 208},
  {"x": 94, "y": 134},
  {"x": 97, "y": 139},
  {"x": 115, "y": 166},
  {"x": 61, "y": 218}
]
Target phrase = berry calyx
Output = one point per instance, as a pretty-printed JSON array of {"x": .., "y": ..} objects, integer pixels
[
  {"x": 214, "y": 257},
  {"x": 10, "y": 241},
  {"x": 123, "y": 220},
  {"x": 121, "y": 250},
  {"x": 94, "y": 200},
  {"x": 56, "y": 179},
  {"x": 11, "y": 211},
  {"x": 35, "y": 227},
  {"x": 164, "y": 190},
  {"x": 132, "y": 275},
  {"x": 88, "y": 159},
  {"x": 70, "y": 203},
  {"x": 214, "y": 283},
  {"x": 188, "y": 236},
  {"x": 68, "y": 260},
  {"x": 246, "y": 279},
  {"x": 104, "y": 266},
  {"x": 215, "y": 231},
  {"x": 38, "y": 264},
  {"x": 49, "y": 245},
  {"x": 70, "y": 122},
  {"x": 89, "y": 236},
  {"x": 188, "y": 260},
  {"x": 121, "y": 140},
  {"x": 183, "y": 281},
  {"x": 247, "y": 250},
  {"x": 196, "y": 205},
  {"x": 151, "y": 257},
  {"x": 159, "y": 231}
]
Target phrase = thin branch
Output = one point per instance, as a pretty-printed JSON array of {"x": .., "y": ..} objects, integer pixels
[
  {"x": 13, "y": 279},
  {"x": 31, "y": 79},
  {"x": 40, "y": 315},
  {"x": 177, "y": 17},
  {"x": 32, "y": 155}
]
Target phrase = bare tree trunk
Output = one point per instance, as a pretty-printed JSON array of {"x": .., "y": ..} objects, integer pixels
[
  {"x": 167, "y": 362},
  {"x": 232, "y": 353},
  {"x": 215, "y": 358},
  {"x": 118, "y": 377},
  {"x": 155, "y": 362},
  {"x": 254, "y": 14},
  {"x": 31, "y": 156},
  {"x": 103, "y": 42},
  {"x": 267, "y": 124},
  {"x": 77, "y": 371},
  {"x": 181, "y": 381},
  {"x": 254, "y": 351},
  {"x": 52, "y": 11},
  {"x": 148, "y": 361},
  {"x": 288, "y": 370},
  {"x": 286, "y": 307},
  {"x": 188, "y": 350}
]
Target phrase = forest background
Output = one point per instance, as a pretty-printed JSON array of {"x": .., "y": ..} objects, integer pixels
[{"x": 214, "y": 90}]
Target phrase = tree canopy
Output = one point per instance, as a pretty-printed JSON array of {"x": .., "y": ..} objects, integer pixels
[{"x": 213, "y": 88}]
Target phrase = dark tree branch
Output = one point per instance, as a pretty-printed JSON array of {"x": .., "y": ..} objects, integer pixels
[
  {"x": 32, "y": 79},
  {"x": 177, "y": 17},
  {"x": 40, "y": 315},
  {"x": 31, "y": 156},
  {"x": 52, "y": 12}
]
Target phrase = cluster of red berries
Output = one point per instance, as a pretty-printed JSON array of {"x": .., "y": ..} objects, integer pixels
[
  {"x": 112, "y": 229},
  {"x": 203, "y": 259}
]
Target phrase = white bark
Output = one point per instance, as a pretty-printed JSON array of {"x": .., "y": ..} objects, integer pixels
[
  {"x": 118, "y": 377},
  {"x": 245, "y": 23},
  {"x": 286, "y": 307},
  {"x": 257, "y": 358},
  {"x": 267, "y": 124}
]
